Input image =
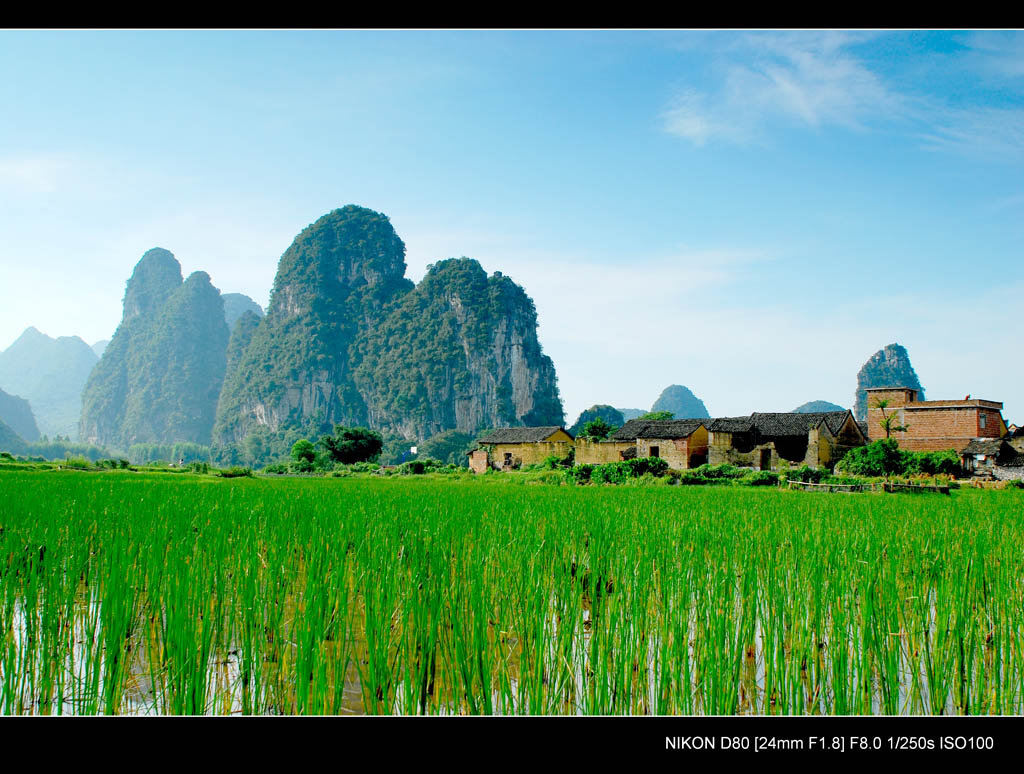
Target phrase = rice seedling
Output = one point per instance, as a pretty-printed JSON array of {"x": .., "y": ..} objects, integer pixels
[{"x": 134, "y": 593}]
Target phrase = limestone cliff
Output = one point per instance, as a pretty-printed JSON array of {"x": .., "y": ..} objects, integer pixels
[
  {"x": 460, "y": 351},
  {"x": 681, "y": 402},
  {"x": 889, "y": 367},
  {"x": 347, "y": 339},
  {"x": 159, "y": 378}
]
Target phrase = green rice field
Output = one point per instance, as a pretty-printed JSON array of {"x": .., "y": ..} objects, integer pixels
[{"x": 128, "y": 593}]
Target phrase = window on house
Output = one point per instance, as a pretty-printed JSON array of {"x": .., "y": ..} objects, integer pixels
[
  {"x": 984, "y": 418},
  {"x": 654, "y": 451}
]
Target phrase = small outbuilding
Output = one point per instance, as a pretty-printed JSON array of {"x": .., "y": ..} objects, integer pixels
[
  {"x": 994, "y": 458},
  {"x": 509, "y": 448}
]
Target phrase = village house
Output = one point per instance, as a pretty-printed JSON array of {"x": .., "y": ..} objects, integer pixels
[
  {"x": 509, "y": 448},
  {"x": 993, "y": 458},
  {"x": 932, "y": 425},
  {"x": 764, "y": 440},
  {"x": 682, "y": 443}
]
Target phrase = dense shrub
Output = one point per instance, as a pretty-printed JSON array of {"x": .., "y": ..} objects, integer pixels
[
  {"x": 580, "y": 474},
  {"x": 618, "y": 472},
  {"x": 418, "y": 467},
  {"x": 880, "y": 458},
  {"x": 553, "y": 461},
  {"x": 807, "y": 474},
  {"x": 760, "y": 478},
  {"x": 938, "y": 463},
  {"x": 713, "y": 472},
  {"x": 352, "y": 444},
  {"x": 885, "y": 458},
  {"x": 235, "y": 472}
]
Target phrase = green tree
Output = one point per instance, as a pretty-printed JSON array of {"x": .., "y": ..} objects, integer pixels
[
  {"x": 597, "y": 429},
  {"x": 303, "y": 452},
  {"x": 352, "y": 444},
  {"x": 889, "y": 421},
  {"x": 658, "y": 416}
]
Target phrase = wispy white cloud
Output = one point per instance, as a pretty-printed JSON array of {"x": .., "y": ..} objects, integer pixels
[
  {"x": 986, "y": 131},
  {"x": 817, "y": 80},
  {"x": 807, "y": 79}
]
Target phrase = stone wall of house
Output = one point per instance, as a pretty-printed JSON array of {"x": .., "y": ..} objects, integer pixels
[
  {"x": 1008, "y": 474},
  {"x": 478, "y": 461},
  {"x": 505, "y": 456},
  {"x": 679, "y": 453},
  {"x": 590, "y": 452}
]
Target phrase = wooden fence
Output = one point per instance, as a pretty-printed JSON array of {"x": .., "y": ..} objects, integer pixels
[{"x": 881, "y": 486}]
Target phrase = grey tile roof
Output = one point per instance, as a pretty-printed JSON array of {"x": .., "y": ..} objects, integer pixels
[
  {"x": 519, "y": 434},
  {"x": 663, "y": 428},
  {"x": 988, "y": 447},
  {"x": 731, "y": 425},
  {"x": 769, "y": 424}
]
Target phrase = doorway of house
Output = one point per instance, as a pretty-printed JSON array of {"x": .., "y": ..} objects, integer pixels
[{"x": 766, "y": 459}]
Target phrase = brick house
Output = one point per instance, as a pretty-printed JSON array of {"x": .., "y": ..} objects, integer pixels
[
  {"x": 933, "y": 425},
  {"x": 508, "y": 448},
  {"x": 764, "y": 440},
  {"x": 682, "y": 443}
]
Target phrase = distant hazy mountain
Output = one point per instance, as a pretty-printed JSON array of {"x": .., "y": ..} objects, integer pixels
[
  {"x": 816, "y": 406},
  {"x": 681, "y": 402},
  {"x": 889, "y": 367},
  {"x": 16, "y": 413},
  {"x": 10, "y": 441},
  {"x": 99, "y": 346},
  {"x": 628, "y": 414},
  {"x": 49, "y": 373},
  {"x": 159, "y": 380},
  {"x": 237, "y": 304}
]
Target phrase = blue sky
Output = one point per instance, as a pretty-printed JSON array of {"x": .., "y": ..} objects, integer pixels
[{"x": 751, "y": 214}]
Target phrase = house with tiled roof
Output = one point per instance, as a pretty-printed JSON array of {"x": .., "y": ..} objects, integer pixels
[
  {"x": 765, "y": 440},
  {"x": 682, "y": 443},
  {"x": 509, "y": 448},
  {"x": 995, "y": 458}
]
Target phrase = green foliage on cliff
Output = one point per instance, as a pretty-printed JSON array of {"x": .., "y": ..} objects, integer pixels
[
  {"x": 434, "y": 352},
  {"x": 450, "y": 447},
  {"x": 332, "y": 281},
  {"x": 348, "y": 340},
  {"x": 159, "y": 379}
]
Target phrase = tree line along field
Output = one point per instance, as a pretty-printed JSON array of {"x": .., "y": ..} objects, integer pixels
[{"x": 135, "y": 593}]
